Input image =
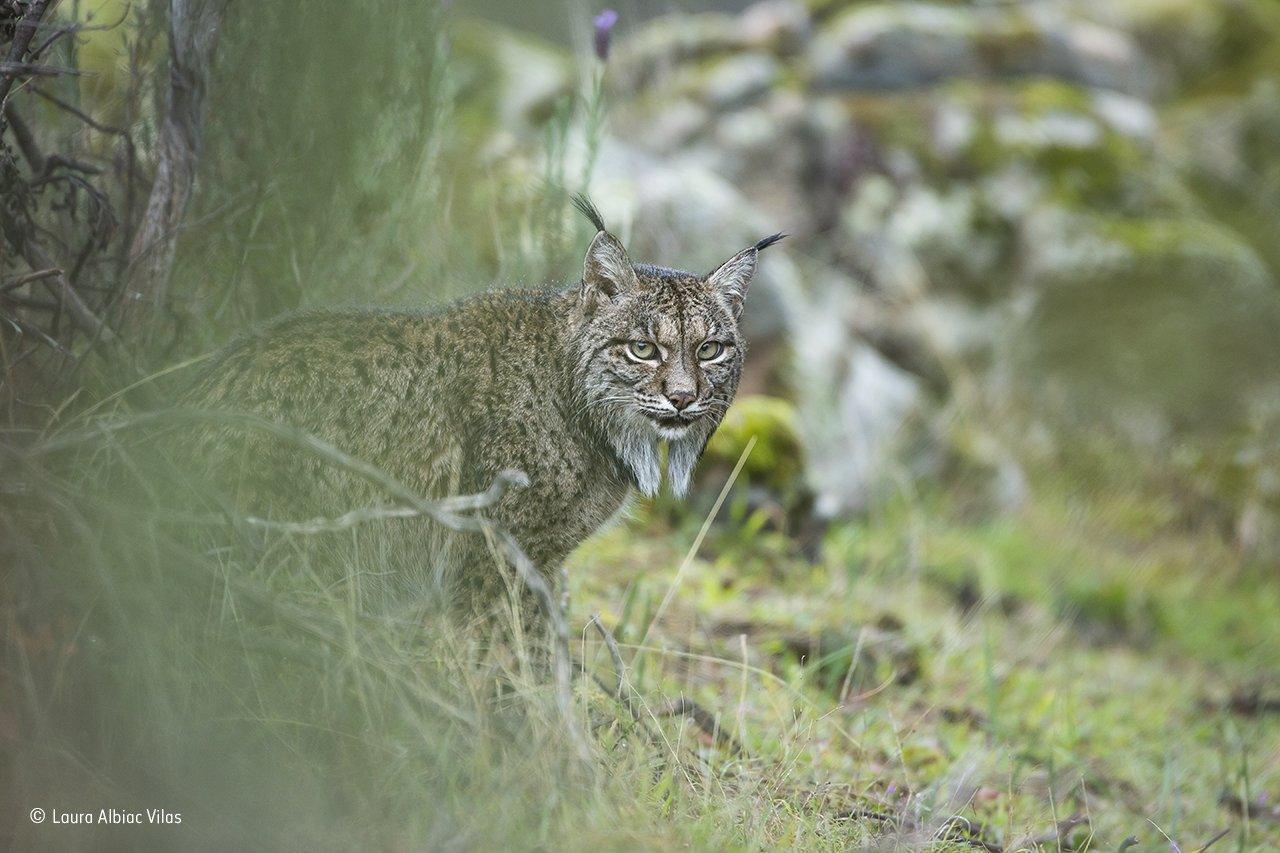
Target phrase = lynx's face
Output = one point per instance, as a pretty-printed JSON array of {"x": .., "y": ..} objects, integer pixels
[
  {"x": 670, "y": 353},
  {"x": 659, "y": 355}
]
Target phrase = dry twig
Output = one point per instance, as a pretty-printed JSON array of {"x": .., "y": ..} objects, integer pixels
[
  {"x": 708, "y": 723},
  {"x": 623, "y": 692},
  {"x": 1212, "y": 841},
  {"x": 78, "y": 113},
  {"x": 1056, "y": 836},
  {"x": 28, "y": 278}
]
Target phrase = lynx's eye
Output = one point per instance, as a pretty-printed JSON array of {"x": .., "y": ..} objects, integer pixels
[
  {"x": 710, "y": 351},
  {"x": 642, "y": 350}
]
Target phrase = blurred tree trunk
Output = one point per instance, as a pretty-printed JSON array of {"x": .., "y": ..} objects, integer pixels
[
  {"x": 193, "y": 36},
  {"x": 72, "y": 282}
]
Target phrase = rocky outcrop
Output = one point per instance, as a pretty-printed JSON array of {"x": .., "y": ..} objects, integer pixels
[
  {"x": 984, "y": 193},
  {"x": 1042, "y": 208},
  {"x": 906, "y": 45}
]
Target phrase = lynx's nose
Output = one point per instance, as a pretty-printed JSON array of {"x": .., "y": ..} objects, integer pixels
[{"x": 681, "y": 399}]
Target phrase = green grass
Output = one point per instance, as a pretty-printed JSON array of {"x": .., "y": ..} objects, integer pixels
[{"x": 1013, "y": 672}]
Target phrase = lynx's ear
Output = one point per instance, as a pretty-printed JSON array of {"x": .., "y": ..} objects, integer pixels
[
  {"x": 607, "y": 270},
  {"x": 732, "y": 278}
]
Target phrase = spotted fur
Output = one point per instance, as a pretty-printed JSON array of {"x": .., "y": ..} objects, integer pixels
[{"x": 545, "y": 382}]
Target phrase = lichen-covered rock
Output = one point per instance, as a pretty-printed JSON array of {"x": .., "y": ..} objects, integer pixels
[
  {"x": 1008, "y": 203},
  {"x": 918, "y": 240},
  {"x": 1225, "y": 147},
  {"x": 677, "y": 125},
  {"x": 740, "y": 80},
  {"x": 766, "y": 151},
  {"x": 985, "y": 475},
  {"x": 719, "y": 84},
  {"x": 779, "y": 26},
  {"x": 1146, "y": 323},
  {"x": 667, "y": 43},
  {"x": 862, "y": 414},
  {"x": 1245, "y": 479},
  {"x": 905, "y": 45},
  {"x": 1183, "y": 38},
  {"x": 892, "y": 46},
  {"x": 965, "y": 166}
]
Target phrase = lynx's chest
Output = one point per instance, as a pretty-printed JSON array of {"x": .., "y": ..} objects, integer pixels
[{"x": 573, "y": 490}]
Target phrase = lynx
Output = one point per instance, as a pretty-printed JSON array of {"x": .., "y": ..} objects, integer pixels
[{"x": 577, "y": 388}]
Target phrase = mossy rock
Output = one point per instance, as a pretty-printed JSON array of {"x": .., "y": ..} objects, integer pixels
[
  {"x": 1057, "y": 131},
  {"x": 1224, "y": 148},
  {"x": 1136, "y": 316},
  {"x": 670, "y": 42},
  {"x": 1202, "y": 46},
  {"x": 777, "y": 459},
  {"x": 896, "y": 46},
  {"x": 988, "y": 155},
  {"x": 718, "y": 83},
  {"x": 1064, "y": 134},
  {"x": 889, "y": 46}
]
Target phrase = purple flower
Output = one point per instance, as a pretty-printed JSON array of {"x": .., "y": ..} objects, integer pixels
[{"x": 605, "y": 22}]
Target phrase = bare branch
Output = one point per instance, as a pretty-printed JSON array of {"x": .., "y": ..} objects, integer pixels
[
  {"x": 627, "y": 694},
  {"x": 81, "y": 314},
  {"x": 28, "y": 302},
  {"x": 34, "y": 69},
  {"x": 23, "y": 32},
  {"x": 56, "y": 160},
  {"x": 78, "y": 113},
  {"x": 37, "y": 333},
  {"x": 383, "y": 512},
  {"x": 956, "y": 829},
  {"x": 562, "y": 661},
  {"x": 56, "y": 282},
  {"x": 76, "y": 28},
  {"x": 26, "y": 140},
  {"x": 28, "y": 278},
  {"x": 332, "y": 525},
  {"x": 66, "y": 30},
  {"x": 1056, "y": 836}
]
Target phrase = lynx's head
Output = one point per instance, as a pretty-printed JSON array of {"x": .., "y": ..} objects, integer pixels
[{"x": 658, "y": 353}]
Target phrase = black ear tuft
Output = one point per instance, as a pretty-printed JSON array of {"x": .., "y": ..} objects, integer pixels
[
  {"x": 587, "y": 209},
  {"x": 767, "y": 241}
]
